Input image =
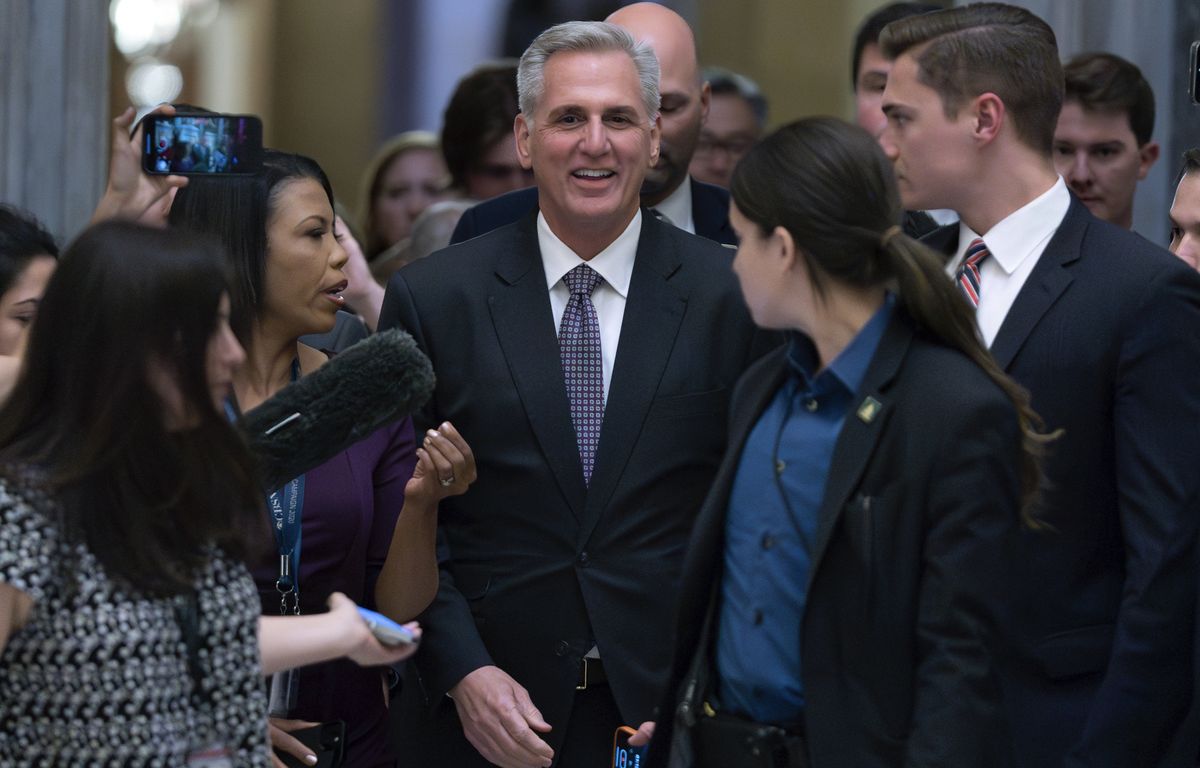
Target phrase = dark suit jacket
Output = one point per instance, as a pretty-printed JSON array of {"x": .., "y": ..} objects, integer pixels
[
  {"x": 913, "y": 538},
  {"x": 539, "y": 566},
  {"x": 1105, "y": 334},
  {"x": 710, "y": 211}
]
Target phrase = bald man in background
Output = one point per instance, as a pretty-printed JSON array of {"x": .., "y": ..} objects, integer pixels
[{"x": 670, "y": 193}]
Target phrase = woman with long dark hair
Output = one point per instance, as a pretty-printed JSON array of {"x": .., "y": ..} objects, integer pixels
[
  {"x": 844, "y": 588},
  {"x": 360, "y": 521},
  {"x": 129, "y": 624},
  {"x": 28, "y": 255}
]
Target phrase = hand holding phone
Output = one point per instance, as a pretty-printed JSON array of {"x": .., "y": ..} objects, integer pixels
[
  {"x": 624, "y": 755},
  {"x": 387, "y": 631},
  {"x": 209, "y": 144}
]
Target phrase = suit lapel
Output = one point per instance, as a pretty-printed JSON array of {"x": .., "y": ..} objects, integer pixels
[
  {"x": 654, "y": 310},
  {"x": 710, "y": 213},
  {"x": 1049, "y": 278},
  {"x": 757, "y": 393},
  {"x": 944, "y": 240},
  {"x": 860, "y": 434},
  {"x": 524, "y": 322}
]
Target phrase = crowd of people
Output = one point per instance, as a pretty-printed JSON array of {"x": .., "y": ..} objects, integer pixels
[{"x": 838, "y": 445}]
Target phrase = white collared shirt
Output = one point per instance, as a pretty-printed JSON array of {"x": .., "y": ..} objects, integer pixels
[
  {"x": 1016, "y": 243},
  {"x": 614, "y": 264},
  {"x": 678, "y": 207}
]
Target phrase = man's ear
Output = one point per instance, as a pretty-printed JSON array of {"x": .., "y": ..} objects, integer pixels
[
  {"x": 655, "y": 138},
  {"x": 989, "y": 115},
  {"x": 705, "y": 101},
  {"x": 521, "y": 135},
  {"x": 1147, "y": 157}
]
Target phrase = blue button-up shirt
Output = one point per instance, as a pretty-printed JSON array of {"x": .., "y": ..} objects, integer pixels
[{"x": 771, "y": 525}]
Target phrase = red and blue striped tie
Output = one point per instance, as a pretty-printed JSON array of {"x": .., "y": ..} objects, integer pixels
[{"x": 968, "y": 272}]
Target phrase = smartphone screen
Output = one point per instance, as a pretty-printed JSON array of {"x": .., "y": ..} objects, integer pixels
[
  {"x": 202, "y": 145},
  {"x": 625, "y": 756}
]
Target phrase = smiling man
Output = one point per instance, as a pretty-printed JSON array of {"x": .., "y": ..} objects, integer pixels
[
  {"x": 1102, "y": 145},
  {"x": 574, "y": 349},
  {"x": 1099, "y": 325},
  {"x": 691, "y": 205}
]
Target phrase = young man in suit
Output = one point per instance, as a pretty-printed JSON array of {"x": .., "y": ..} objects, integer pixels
[
  {"x": 868, "y": 74},
  {"x": 694, "y": 206},
  {"x": 1100, "y": 326},
  {"x": 575, "y": 351},
  {"x": 1103, "y": 144}
]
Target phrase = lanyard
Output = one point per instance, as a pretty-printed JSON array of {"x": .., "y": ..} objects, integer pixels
[{"x": 286, "y": 508}]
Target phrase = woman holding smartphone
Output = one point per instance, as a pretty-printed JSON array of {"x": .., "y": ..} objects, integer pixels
[
  {"x": 359, "y": 520},
  {"x": 844, "y": 590},
  {"x": 129, "y": 625}
]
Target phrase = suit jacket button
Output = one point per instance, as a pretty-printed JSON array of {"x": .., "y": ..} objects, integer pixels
[{"x": 583, "y": 558}]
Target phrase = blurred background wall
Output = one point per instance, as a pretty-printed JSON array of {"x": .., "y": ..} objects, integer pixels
[{"x": 333, "y": 80}]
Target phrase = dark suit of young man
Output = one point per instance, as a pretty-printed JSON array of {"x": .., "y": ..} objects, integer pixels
[
  {"x": 909, "y": 566},
  {"x": 710, "y": 211},
  {"x": 1101, "y": 327},
  {"x": 1104, "y": 335},
  {"x": 540, "y": 567}
]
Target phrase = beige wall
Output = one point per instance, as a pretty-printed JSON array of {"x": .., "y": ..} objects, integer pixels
[
  {"x": 798, "y": 52},
  {"x": 313, "y": 68},
  {"x": 327, "y": 67}
]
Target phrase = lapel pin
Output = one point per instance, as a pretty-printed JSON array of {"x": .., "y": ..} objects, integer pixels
[{"x": 869, "y": 410}]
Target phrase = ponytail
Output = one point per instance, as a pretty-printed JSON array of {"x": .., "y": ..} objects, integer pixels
[{"x": 938, "y": 308}]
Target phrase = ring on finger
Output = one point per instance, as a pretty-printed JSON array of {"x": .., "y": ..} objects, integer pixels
[{"x": 446, "y": 483}]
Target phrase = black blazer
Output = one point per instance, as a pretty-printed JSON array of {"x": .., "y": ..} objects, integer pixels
[
  {"x": 710, "y": 211},
  {"x": 1105, "y": 334},
  {"x": 539, "y": 566},
  {"x": 914, "y": 536}
]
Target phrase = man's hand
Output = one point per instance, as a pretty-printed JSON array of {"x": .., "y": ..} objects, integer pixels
[{"x": 499, "y": 719}]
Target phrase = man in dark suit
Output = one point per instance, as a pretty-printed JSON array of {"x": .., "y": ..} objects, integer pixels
[
  {"x": 868, "y": 75},
  {"x": 1101, "y": 327},
  {"x": 594, "y": 446},
  {"x": 694, "y": 206}
]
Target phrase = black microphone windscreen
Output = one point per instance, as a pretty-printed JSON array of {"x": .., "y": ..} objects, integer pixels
[{"x": 379, "y": 380}]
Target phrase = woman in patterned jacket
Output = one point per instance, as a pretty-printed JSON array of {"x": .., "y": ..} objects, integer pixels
[{"x": 129, "y": 623}]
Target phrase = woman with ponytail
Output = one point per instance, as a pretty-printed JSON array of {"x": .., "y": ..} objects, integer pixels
[{"x": 844, "y": 591}]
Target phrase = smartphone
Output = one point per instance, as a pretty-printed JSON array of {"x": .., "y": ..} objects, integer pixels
[
  {"x": 201, "y": 145},
  {"x": 326, "y": 740},
  {"x": 1194, "y": 73},
  {"x": 625, "y": 756},
  {"x": 387, "y": 631}
]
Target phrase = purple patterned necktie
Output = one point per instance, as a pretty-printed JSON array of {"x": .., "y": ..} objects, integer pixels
[
  {"x": 579, "y": 342},
  {"x": 968, "y": 272}
]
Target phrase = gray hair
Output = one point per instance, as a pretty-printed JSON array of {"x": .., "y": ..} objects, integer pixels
[{"x": 591, "y": 36}]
